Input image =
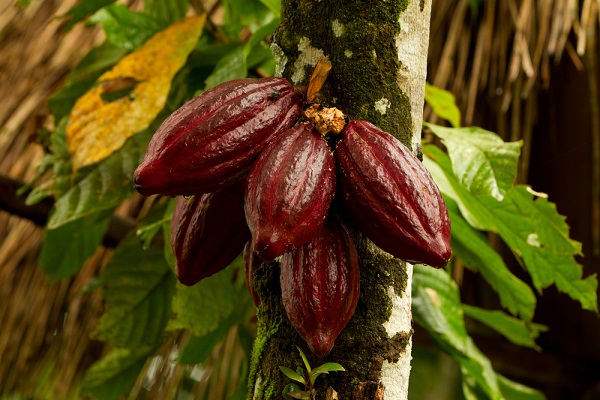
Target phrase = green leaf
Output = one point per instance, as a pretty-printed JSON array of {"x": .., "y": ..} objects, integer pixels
[
  {"x": 59, "y": 161},
  {"x": 102, "y": 186},
  {"x": 153, "y": 222},
  {"x": 208, "y": 55},
  {"x": 476, "y": 254},
  {"x": 166, "y": 12},
  {"x": 83, "y": 9},
  {"x": 293, "y": 375},
  {"x": 299, "y": 394},
  {"x": 304, "y": 359},
  {"x": 443, "y": 104},
  {"x": 517, "y": 331},
  {"x": 124, "y": 28},
  {"x": 240, "y": 14},
  {"x": 325, "y": 369},
  {"x": 273, "y": 5},
  {"x": 532, "y": 228},
  {"x": 202, "y": 307},
  {"x": 66, "y": 248},
  {"x": 482, "y": 161},
  {"x": 97, "y": 61},
  {"x": 232, "y": 66},
  {"x": 535, "y": 231},
  {"x": 516, "y": 391},
  {"x": 137, "y": 290},
  {"x": 115, "y": 373},
  {"x": 437, "y": 308},
  {"x": 290, "y": 387},
  {"x": 198, "y": 348},
  {"x": 166, "y": 227}
]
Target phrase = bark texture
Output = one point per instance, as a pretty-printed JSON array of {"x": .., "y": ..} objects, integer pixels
[{"x": 378, "y": 50}]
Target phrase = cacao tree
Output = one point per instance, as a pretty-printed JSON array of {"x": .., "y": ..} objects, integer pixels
[
  {"x": 378, "y": 52},
  {"x": 122, "y": 91}
]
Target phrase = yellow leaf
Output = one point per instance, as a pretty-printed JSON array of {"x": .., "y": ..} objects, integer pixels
[{"x": 98, "y": 126}]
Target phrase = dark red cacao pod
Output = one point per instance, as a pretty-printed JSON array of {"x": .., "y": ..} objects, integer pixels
[
  {"x": 391, "y": 196},
  {"x": 289, "y": 191},
  {"x": 320, "y": 285},
  {"x": 208, "y": 232},
  {"x": 251, "y": 262},
  {"x": 213, "y": 139}
]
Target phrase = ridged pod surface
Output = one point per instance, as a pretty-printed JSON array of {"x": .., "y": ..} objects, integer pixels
[
  {"x": 391, "y": 196},
  {"x": 320, "y": 285},
  {"x": 251, "y": 262},
  {"x": 289, "y": 191},
  {"x": 213, "y": 139},
  {"x": 208, "y": 232}
]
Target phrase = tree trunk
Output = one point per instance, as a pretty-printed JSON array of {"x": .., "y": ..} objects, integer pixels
[{"x": 378, "y": 49}]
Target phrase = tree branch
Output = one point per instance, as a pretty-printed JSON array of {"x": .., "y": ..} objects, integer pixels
[{"x": 38, "y": 213}]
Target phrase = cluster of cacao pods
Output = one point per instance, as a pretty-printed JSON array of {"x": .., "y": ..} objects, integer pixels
[{"x": 262, "y": 180}]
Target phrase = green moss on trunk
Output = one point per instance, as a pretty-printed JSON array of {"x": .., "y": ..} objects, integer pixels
[{"x": 359, "y": 39}]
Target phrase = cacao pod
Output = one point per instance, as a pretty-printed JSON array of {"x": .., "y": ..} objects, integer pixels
[
  {"x": 213, "y": 139},
  {"x": 320, "y": 285},
  {"x": 391, "y": 196},
  {"x": 251, "y": 262},
  {"x": 289, "y": 190},
  {"x": 208, "y": 232}
]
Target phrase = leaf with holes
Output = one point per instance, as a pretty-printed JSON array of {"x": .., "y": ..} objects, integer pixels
[
  {"x": 529, "y": 224},
  {"x": 102, "y": 119}
]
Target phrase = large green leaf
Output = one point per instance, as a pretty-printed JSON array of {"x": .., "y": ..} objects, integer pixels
[
  {"x": 234, "y": 64},
  {"x": 517, "y": 331},
  {"x": 124, "y": 28},
  {"x": 97, "y": 61},
  {"x": 66, "y": 248},
  {"x": 115, "y": 374},
  {"x": 103, "y": 185},
  {"x": 436, "y": 306},
  {"x": 443, "y": 104},
  {"x": 240, "y": 14},
  {"x": 83, "y": 9},
  {"x": 166, "y": 12},
  {"x": 474, "y": 251},
  {"x": 231, "y": 66},
  {"x": 532, "y": 228},
  {"x": 198, "y": 348},
  {"x": 202, "y": 307},
  {"x": 516, "y": 391},
  {"x": 137, "y": 289},
  {"x": 273, "y": 5},
  {"x": 482, "y": 161}
]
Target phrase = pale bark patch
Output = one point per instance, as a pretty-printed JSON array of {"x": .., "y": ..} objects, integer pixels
[
  {"x": 280, "y": 59},
  {"x": 382, "y": 105},
  {"x": 337, "y": 27},
  {"x": 395, "y": 376},
  {"x": 308, "y": 57},
  {"x": 400, "y": 318},
  {"x": 412, "y": 42}
]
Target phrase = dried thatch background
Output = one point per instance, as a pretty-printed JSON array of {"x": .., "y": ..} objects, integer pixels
[{"x": 502, "y": 63}]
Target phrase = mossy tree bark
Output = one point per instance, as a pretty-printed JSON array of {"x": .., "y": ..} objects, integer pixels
[{"x": 378, "y": 49}]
